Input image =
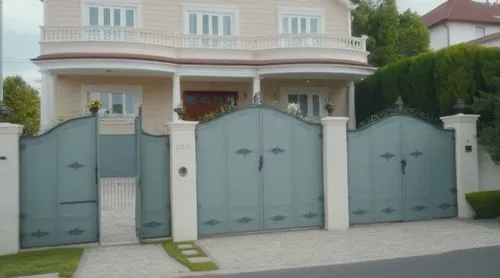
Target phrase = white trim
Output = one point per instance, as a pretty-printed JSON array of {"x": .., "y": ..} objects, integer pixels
[
  {"x": 227, "y": 9},
  {"x": 348, "y": 4},
  {"x": 321, "y": 91},
  {"x": 316, "y": 68},
  {"x": 112, "y": 88},
  {"x": 135, "y": 4}
]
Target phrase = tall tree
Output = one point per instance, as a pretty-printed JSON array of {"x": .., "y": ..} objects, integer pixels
[
  {"x": 391, "y": 35},
  {"x": 24, "y": 100}
]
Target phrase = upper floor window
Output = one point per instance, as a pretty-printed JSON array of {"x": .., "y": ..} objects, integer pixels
[
  {"x": 305, "y": 24},
  {"x": 215, "y": 24},
  {"x": 111, "y": 16},
  {"x": 480, "y": 32}
]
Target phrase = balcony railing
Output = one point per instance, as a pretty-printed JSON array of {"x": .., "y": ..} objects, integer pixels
[{"x": 153, "y": 37}]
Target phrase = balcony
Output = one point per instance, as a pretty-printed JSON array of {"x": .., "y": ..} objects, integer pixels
[{"x": 78, "y": 39}]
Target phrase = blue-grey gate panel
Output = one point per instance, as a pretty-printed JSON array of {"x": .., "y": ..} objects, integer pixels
[
  {"x": 401, "y": 169},
  {"x": 154, "y": 186},
  {"x": 138, "y": 173},
  {"x": 292, "y": 171},
  {"x": 117, "y": 155},
  {"x": 59, "y": 181},
  {"x": 258, "y": 168}
]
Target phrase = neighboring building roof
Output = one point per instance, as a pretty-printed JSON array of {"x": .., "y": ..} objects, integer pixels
[
  {"x": 464, "y": 11},
  {"x": 488, "y": 38}
]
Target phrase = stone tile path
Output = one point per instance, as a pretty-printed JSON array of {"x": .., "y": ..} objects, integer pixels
[
  {"x": 50, "y": 275},
  {"x": 131, "y": 261},
  {"x": 361, "y": 243}
]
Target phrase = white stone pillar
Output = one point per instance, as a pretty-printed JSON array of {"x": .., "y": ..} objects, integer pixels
[
  {"x": 183, "y": 180},
  {"x": 336, "y": 195},
  {"x": 351, "y": 100},
  {"x": 176, "y": 95},
  {"x": 9, "y": 188},
  {"x": 466, "y": 158},
  {"x": 255, "y": 88},
  {"x": 47, "y": 99}
]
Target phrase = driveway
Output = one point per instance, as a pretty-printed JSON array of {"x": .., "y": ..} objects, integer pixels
[{"x": 360, "y": 243}]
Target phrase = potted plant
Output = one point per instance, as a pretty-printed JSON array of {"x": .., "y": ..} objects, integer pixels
[
  {"x": 94, "y": 105},
  {"x": 179, "y": 110},
  {"x": 329, "y": 107}
]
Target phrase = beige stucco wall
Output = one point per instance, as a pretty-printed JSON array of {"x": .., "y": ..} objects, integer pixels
[
  {"x": 156, "y": 100},
  {"x": 255, "y": 17}
]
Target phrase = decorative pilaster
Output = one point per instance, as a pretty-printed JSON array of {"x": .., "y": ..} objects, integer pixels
[
  {"x": 466, "y": 158},
  {"x": 47, "y": 99},
  {"x": 9, "y": 188},
  {"x": 255, "y": 89},
  {"x": 176, "y": 95},
  {"x": 183, "y": 180},
  {"x": 335, "y": 173},
  {"x": 351, "y": 100}
]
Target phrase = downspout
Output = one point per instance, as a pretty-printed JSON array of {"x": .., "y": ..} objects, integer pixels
[{"x": 447, "y": 34}]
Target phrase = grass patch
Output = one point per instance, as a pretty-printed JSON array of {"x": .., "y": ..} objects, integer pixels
[
  {"x": 62, "y": 261},
  {"x": 172, "y": 250}
]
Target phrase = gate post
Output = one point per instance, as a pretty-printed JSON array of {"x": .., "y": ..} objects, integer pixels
[
  {"x": 9, "y": 188},
  {"x": 183, "y": 180},
  {"x": 335, "y": 187},
  {"x": 466, "y": 158}
]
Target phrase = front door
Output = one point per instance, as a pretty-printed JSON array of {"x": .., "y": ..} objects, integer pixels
[
  {"x": 258, "y": 169},
  {"x": 199, "y": 103},
  {"x": 401, "y": 169}
]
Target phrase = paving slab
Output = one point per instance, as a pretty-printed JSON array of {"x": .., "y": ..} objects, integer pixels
[
  {"x": 196, "y": 260},
  {"x": 49, "y": 275},
  {"x": 189, "y": 252},
  {"x": 185, "y": 246},
  {"x": 359, "y": 243},
  {"x": 131, "y": 261}
]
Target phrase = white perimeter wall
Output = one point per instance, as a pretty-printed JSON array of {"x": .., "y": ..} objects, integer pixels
[{"x": 489, "y": 172}]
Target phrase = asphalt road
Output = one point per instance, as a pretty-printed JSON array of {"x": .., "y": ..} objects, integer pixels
[{"x": 472, "y": 263}]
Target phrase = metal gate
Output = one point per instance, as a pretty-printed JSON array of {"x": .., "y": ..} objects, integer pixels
[
  {"x": 153, "y": 214},
  {"x": 401, "y": 168},
  {"x": 59, "y": 185},
  {"x": 258, "y": 169}
]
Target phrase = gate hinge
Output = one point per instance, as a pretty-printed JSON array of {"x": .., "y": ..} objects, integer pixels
[
  {"x": 96, "y": 175},
  {"x": 139, "y": 183},
  {"x": 320, "y": 134}
]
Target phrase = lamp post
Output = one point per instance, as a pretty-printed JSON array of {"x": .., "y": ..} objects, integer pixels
[{"x": 4, "y": 110}]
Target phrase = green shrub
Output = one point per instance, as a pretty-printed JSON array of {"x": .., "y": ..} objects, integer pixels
[{"x": 485, "y": 204}]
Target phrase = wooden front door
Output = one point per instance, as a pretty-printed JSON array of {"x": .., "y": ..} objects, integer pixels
[{"x": 199, "y": 103}]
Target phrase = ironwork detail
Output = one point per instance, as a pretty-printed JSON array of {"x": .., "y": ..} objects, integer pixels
[
  {"x": 453, "y": 190},
  {"x": 419, "y": 208},
  {"x": 359, "y": 212},
  {"x": 388, "y": 210},
  {"x": 444, "y": 206},
  {"x": 22, "y": 146},
  {"x": 75, "y": 165},
  {"x": 39, "y": 234},
  {"x": 387, "y": 156},
  {"x": 278, "y": 217},
  {"x": 22, "y": 216},
  {"x": 310, "y": 215},
  {"x": 152, "y": 224},
  {"x": 277, "y": 150},
  {"x": 245, "y": 220},
  {"x": 200, "y": 206},
  {"x": 211, "y": 222},
  {"x": 257, "y": 98},
  {"x": 75, "y": 232},
  {"x": 243, "y": 151},
  {"x": 321, "y": 199},
  {"x": 417, "y": 153}
]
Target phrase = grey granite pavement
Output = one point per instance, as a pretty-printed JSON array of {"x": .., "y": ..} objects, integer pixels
[
  {"x": 130, "y": 261},
  {"x": 361, "y": 243}
]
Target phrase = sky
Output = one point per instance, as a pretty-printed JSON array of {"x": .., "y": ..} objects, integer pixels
[{"x": 22, "y": 32}]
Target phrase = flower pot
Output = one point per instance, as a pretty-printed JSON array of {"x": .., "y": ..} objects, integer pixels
[
  {"x": 179, "y": 111},
  {"x": 94, "y": 110},
  {"x": 329, "y": 109}
]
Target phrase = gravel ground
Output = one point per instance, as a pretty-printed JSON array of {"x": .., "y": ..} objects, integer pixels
[{"x": 361, "y": 243}]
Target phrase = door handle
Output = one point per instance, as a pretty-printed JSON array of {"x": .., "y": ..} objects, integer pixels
[
  {"x": 261, "y": 162},
  {"x": 403, "y": 166}
]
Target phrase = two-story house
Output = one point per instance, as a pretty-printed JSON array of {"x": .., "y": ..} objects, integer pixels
[
  {"x": 198, "y": 53},
  {"x": 463, "y": 21}
]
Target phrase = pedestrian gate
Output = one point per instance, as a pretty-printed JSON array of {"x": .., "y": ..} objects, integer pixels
[
  {"x": 400, "y": 169},
  {"x": 258, "y": 169}
]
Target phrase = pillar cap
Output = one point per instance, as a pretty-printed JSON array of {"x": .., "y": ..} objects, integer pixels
[
  {"x": 8, "y": 128},
  {"x": 340, "y": 121},
  {"x": 460, "y": 118},
  {"x": 181, "y": 125}
]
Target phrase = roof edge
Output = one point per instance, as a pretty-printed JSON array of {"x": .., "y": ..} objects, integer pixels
[{"x": 348, "y": 4}]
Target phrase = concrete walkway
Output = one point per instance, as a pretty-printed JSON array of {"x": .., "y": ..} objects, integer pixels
[
  {"x": 128, "y": 261},
  {"x": 362, "y": 243}
]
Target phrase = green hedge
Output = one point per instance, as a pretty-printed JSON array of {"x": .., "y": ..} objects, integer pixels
[
  {"x": 486, "y": 204},
  {"x": 431, "y": 82}
]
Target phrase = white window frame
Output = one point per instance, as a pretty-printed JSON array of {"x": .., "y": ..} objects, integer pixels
[
  {"x": 322, "y": 92},
  {"x": 483, "y": 28},
  {"x": 113, "y": 88},
  {"x": 300, "y": 12},
  {"x": 124, "y": 4},
  {"x": 214, "y": 9}
]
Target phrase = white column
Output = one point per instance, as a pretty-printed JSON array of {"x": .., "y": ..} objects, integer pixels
[
  {"x": 336, "y": 195},
  {"x": 9, "y": 188},
  {"x": 351, "y": 100},
  {"x": 466, "y": 158},
  {"x": 255, "y": 87},
  {"x": 183, "y": 180},
  {"x": 176, "y": 95},
  {"x": 47, "y": 99}
]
